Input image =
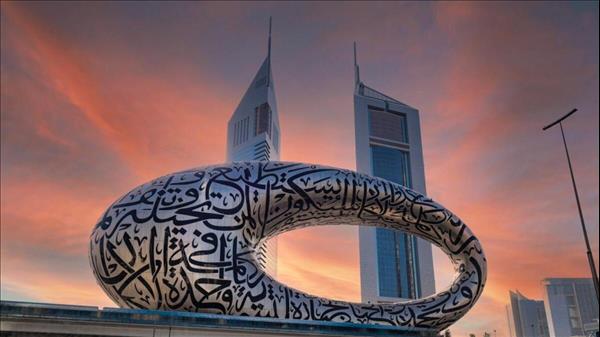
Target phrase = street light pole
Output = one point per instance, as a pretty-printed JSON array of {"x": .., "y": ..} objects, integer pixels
[{"x": 585, "y": 235}]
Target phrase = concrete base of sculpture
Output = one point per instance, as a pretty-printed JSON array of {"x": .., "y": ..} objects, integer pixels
[{"x": 38, "y": 319}]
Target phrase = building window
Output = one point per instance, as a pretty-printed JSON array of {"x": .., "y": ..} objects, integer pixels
[
  {"x": 235, "y": 134},
  {"x": 262, "y": 121},
  {"x": 391, "y": 164},
  {"x": 276, "y": 138},
  {"x": 262, "y": 151},
  {"x": 397, "y": 264},
  {"x": 240, "y": 131},
  {"x": 396, "y": 251},
  {"x": 388, "y": 125},
  {"x": 387, "y": 261}
]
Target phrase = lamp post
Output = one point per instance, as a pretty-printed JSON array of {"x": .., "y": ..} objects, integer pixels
[{"x": 585, "y": 235}]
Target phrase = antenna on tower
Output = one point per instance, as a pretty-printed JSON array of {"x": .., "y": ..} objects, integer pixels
[
  {"x": 356, "y": 69},
  {"x": 269, "y": 54}
]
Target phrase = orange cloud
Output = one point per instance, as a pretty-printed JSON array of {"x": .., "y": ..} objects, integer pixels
[
  {"x": 135, "y": 125},
  {"x": 308, "y": 261}
]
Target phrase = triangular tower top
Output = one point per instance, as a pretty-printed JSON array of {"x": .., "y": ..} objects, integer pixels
[
  {"x": 362, "y": 89},
  {"x": 255, "y": 121}
]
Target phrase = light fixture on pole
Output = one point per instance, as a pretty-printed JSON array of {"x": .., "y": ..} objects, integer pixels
[{"x": 585, "y": 235}]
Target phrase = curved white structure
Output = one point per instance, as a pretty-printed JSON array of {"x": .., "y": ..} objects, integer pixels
[{"x": 186, "y": 241}]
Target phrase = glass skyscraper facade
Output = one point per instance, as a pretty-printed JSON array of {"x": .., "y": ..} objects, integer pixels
[
  {"x": 397, "y": 258},
  {"x": 394, "y": 265}
]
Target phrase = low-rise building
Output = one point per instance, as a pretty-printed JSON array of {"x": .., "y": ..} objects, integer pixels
[{"x": 571, "y": 306}]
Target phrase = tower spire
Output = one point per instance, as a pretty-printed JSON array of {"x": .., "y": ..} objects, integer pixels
[
  {"x": 356, "y": 69},
  {"x": 269, "y": 54}
]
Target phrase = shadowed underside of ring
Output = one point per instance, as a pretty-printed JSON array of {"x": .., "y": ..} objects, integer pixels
[{"x": 187, "y": 241}]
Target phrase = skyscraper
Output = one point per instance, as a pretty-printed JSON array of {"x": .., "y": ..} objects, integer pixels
[
  {"x": 393, "y": 265},
  {"x": 526, "y": 317},
  {"x": 253, "y": 134},
  {"x": 571, "y": 306}
]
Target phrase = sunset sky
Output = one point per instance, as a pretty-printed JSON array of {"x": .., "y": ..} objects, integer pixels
[{"x": 98, "y": 98}]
